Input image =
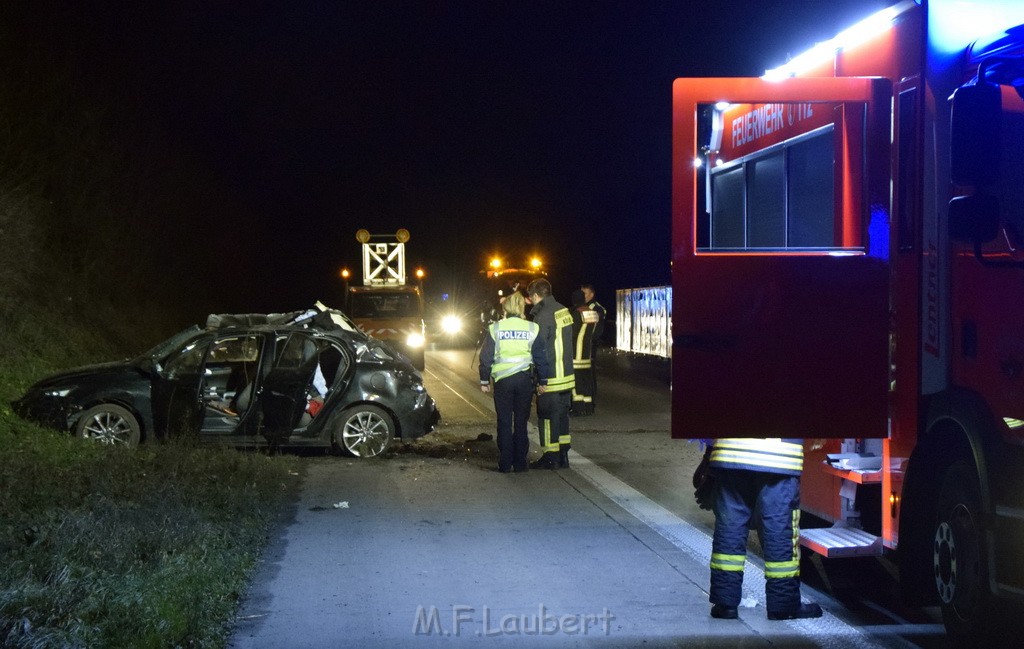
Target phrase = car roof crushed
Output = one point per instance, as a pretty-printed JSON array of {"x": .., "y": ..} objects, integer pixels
[{"x": 320, "y": 317}]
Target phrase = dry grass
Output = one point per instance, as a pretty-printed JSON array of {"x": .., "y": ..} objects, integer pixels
[
  {"x": 109, "y": 547},
  {"x": 127, "y": 548}
]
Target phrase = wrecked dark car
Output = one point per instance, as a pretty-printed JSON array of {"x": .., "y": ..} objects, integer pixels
[{"x": 307, "y": 378}]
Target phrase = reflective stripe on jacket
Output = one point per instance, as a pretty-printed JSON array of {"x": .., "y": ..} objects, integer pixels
[
  {"x": 513, "y": 340},
  {"x": 556, "y": 335},
  {"x": 563, "y": 377},
  {"x": 774, "y": 455},
  {"x": 584, "y": 322}
]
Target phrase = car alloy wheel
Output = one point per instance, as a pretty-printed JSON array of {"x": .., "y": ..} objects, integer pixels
[
  {"x": 109, "y": 424},
  {"x": 366, "y": 431}
]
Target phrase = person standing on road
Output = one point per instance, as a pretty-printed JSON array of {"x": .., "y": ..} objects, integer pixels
[
  {"x": 555, "y": 392},
  {"x": 757, "y": 475},
  {"x": 584, "y": 321},
  {"x": 596, "y": 339},
  {"x": 507, "y": 356}
]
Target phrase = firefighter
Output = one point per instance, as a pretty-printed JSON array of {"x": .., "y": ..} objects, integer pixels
[
  {"x": 584, "y": 321},
  {"x": 763, "y": 476},
  {"x": 595, "y": 340},
  {"x": 555, "y": 392},
  {"x": 508, "y": 353}
]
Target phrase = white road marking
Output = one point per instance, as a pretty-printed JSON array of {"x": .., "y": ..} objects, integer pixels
[
  {"x": 827, "y": 631},
  {"x": 456, "y": 393}
]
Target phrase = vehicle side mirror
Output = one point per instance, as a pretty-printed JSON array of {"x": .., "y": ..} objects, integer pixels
[
  {"x": 974, "y": 134},
  {"x": 974, "y": 218}
]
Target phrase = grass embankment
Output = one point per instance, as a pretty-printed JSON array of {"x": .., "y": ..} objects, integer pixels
[{"x": 108, "y": 547}]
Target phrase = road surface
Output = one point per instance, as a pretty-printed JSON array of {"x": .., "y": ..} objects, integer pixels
[{"x": 433, "y": 547}]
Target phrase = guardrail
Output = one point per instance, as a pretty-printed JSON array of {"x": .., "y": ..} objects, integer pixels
[{"x": 643, "y": 320}]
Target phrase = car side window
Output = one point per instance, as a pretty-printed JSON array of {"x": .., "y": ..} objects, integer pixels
[
  {"x": 231, "y": 366},
  {"x": 187, "y": 361},
  {"x": 296, "y": 352}
]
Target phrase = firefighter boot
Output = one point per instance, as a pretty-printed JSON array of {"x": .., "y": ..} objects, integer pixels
[
  {"x": 563, "y": 456},
  {"x": 547, "y": 461},
  {"x": 799, "y": 613},
  {"x": 723, "y": 612}
]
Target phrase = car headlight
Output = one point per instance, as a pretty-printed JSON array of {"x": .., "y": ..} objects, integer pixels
[
  {"x": 451, "y": 324},
  {"x": 57, "y": 392},
  {"x": 415, "y": 340}
]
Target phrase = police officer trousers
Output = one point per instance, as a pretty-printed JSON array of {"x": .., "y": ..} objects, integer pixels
[
  {"x": 553, "y": 420},
  {"x": 513, "y": 396},
  {"x": 771, "y": 502}
]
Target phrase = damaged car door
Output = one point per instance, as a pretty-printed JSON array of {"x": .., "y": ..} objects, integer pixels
[
  {"x": 286, "y": 388},
  {"x": 210, "y": 386}
]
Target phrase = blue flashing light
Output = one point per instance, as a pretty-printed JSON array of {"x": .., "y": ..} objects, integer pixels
[
  {"x": 955, "y": 24},
  {"x": 878, "y": 233}
]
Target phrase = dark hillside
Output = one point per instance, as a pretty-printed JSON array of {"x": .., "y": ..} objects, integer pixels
[
  {"x": 103, "y": 213},
  {"x": 102, "y": 546}
]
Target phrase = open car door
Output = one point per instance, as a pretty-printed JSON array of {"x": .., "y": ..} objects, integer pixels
[
  {"x": 780, "y": 254},
  {"x": 177, "y": 401},
  {"x": 286, "y": 386}
]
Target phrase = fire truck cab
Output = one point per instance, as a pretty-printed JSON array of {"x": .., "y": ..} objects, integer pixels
[{"x": 848, "y": 267}]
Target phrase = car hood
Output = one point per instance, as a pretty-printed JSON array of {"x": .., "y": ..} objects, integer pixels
[{"x": 99, "y": 369}]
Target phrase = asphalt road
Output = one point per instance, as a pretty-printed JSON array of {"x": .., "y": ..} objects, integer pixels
[{"x": 431, "y": 546}]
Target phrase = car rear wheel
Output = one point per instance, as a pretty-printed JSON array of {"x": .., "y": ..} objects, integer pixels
[
  {"x": 365, "y": 431},
  {"x": 109, "y": 424}
]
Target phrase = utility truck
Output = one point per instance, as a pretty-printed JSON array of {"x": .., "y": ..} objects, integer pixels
[
  {"x": 848, "y": 268},
  {"x": 386, "y": 306}
]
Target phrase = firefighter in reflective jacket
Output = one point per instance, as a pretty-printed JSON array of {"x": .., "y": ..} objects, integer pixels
[
  {"x": 763, "y": 476},
  {"x": 508, "y": 354},
  {"x": 555, "y": 391},
  {"x": 584, "y": 321}
]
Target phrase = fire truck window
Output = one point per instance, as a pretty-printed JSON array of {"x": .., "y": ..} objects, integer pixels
[
  {"x": 766, "y": 198},
  {"x": 384, "y": 305},
  {"x": 1011, "y": 197},
  {"x": 769, "y": 181},
  {"x": 810, "y": 193},
  {"x": 727, "y": 217}
]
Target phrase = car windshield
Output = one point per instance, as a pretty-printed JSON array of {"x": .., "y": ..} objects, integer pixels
[
  {"x": 166, "y": 346},
  {"x": 385, "y": 305}
]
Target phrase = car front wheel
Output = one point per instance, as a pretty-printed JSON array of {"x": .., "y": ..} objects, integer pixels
[
  {"x": 109, "y": 424},
  {"x": 365, "y": 431}
]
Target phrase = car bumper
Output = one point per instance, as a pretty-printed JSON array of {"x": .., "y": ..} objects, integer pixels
[
  {"x": 421, "y": 419},
  {"x": 48, "y": 411}
]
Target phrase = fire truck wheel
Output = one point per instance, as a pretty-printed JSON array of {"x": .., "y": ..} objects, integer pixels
[{"x": 958, "y": 554}]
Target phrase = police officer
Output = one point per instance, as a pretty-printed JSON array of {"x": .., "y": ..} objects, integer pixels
[
  {"x": 508, "y": 353},
  {"x": 555, "y": 391},
  {"x": 758, "y": 475}
]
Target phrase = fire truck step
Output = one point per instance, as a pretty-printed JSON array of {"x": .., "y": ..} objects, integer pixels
[{"x": 831, "y": 542}]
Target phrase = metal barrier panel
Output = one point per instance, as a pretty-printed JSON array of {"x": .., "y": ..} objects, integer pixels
[{"x": 643, "y": 318}]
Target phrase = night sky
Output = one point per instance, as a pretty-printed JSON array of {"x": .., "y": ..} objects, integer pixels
[{"x": 482, "y": 127}]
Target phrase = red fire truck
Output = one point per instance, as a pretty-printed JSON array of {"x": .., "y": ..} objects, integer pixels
[{"x": 848, "y": 267}]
